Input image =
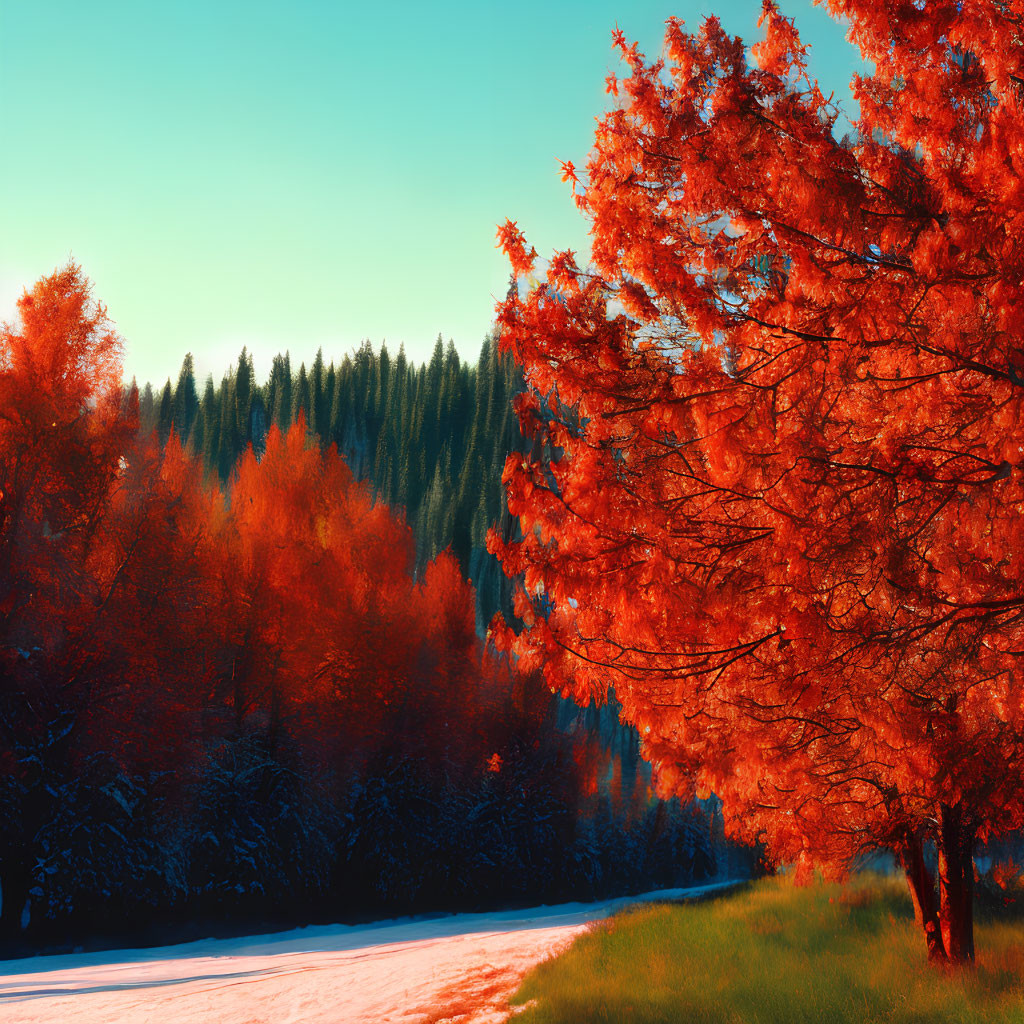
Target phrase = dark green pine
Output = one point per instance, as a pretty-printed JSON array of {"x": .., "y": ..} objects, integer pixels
[
  {"x": 186, "y": 400},
  {"x": 303, "y": 397},
  {"x": 243, "y": 398},
  {"x": 165, "y": 418},
  {"x": 147, "y": 411}
]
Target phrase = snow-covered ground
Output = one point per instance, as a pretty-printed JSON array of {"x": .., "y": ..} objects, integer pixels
[{"x": 462, "y": 968}]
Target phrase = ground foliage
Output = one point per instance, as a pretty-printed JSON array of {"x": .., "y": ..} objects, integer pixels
[{"x": 774, "y": 954}]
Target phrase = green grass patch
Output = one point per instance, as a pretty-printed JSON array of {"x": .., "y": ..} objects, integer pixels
[{"x": 774, "y": 953}]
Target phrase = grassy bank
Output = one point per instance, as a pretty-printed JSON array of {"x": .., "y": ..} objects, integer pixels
[{"x": 776, "y": 953}]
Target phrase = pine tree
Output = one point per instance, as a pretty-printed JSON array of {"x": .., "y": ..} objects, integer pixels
[
  {"x": 147, "y": 411},
  {"x": 317, "y": 413},
  {"x": 341, "y": 402},
  {"x": 259, "y": 424},
  {"x": 280, "y": 397},
  {"x": 324, "y": 427},
  {"x": 210, "y": 416},
  {"x": 197, "y": 433},
  {"x": 363, "y": 376},
  {"x": 383, "y": 469},
  {"x": 166, "y": 416},
  {"x": 186, "y": 400},
  {"x": 243, "y": 396},
  {"x": 383, "y": 387},
  {"x": 302, "y": 398},
  {"x": 227, "y": 432},
  {"x": 431, "y": 405}
]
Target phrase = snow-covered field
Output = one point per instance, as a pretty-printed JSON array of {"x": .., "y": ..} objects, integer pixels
[{"x": 462, "y": 968}]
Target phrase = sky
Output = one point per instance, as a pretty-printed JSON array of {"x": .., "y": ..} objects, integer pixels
[{"x": 291, "y": 175}]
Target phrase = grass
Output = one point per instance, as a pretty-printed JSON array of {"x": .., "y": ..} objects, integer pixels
[{"x": 777, "y": 954}]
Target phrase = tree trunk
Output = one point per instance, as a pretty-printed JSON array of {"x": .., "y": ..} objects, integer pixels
[
  {"x": 956, "y": 885},
  {"x": 922, "y": 893}
]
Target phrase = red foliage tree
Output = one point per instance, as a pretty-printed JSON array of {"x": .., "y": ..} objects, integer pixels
[
  {"x": 62, "y": 432},
  {"x": 110, "y": 579},
  {"x": 779, "y": 497},
  {"x": 153, "y": 643},
  {"x": 327, "y": 623},
  {"x": 63, "y": 428},
  {"x": 320, "y": 580}
]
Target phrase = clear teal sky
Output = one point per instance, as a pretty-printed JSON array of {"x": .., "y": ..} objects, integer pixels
[{"x": 305, "y": 173}]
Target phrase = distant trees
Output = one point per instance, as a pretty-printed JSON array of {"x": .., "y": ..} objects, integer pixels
[
  {"x": 429, "y": 439},
  {"x": 238, "y": 697}
]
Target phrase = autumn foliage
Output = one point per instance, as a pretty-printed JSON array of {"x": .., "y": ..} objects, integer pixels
[
  {"x": 156, "y": 628},
  {"x": 291, "y": 594},
  {"x": 219, "y": 701},
  {"x": 776, "y": 495}
]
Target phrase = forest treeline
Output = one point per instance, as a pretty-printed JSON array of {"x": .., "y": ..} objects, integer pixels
[
  {"x": 235, "y": 687},
  {"x": 430, "y": 438}
]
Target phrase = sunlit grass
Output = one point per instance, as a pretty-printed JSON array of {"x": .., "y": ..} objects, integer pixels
[{"x": 777, "y": 953}]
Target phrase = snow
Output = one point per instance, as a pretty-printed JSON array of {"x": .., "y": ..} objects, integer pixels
[{"x": 461, "y": 967}]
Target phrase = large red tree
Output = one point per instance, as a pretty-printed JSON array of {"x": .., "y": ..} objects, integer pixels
[
  {"x": 63, "y": 429},
  {"x": 776, "y": 495}
]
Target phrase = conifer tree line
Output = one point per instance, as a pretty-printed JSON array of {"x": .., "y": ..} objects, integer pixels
[{"x": 430, "y": 438}]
